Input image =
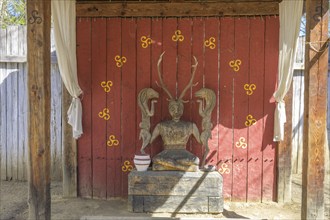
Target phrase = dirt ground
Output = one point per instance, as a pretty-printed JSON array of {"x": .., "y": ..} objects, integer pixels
[{"x": 13, "y": 205}]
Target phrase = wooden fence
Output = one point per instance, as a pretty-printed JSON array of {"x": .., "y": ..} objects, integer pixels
[{"x": 14, "y": 107}]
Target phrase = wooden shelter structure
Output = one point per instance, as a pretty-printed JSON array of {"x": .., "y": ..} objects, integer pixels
[{"x": 94, "y": 24}]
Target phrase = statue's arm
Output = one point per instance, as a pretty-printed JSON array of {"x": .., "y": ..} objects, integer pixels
[
  {"x": 155, "y": 133},
  {"x": 196, "y": 133}
]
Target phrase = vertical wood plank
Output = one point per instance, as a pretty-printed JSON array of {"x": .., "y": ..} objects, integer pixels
[
  {"x": 128, "y": 97},
  {"x": 98, "y": 107},
  {"x": 255, "y": 138},
  {"x": 143, "y": 70},
  {"x": 184, "y": 69},
  {"x": 198, "y": 52},
  {"x": 22, "y": 106},
  {"x": 12, "y": 71},
  {"x": 69, "y": 151},
  {"x": 241, "y": 109},
  {"x": 227, "y": 31},
  {"x": 271, "y": 71},
  {"x": 211, "y": 69},
  {"x": 20, "y": 119},
  {"x": 114, "y": 173},
  {"x": 3, "y": 125},
  {"x": 316, "y": 73},
  {"x": 3, "y": 109},
  {"x": 39, "y": 108},
  {"x": 56, "y": 123},
  {"x": 84, "y": 57},
  {"x": 284, "y": 155},
  {"x": 169, "y": 63},
  {"x": 156, "y": 50}
]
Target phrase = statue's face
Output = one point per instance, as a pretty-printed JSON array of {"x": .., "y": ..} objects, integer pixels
[{"x": 176, "y": 109}]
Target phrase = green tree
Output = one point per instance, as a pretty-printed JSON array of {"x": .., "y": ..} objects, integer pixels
[{"x": 12, "y": 12}]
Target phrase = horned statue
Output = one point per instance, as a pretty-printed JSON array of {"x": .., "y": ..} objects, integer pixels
[{"x": 175, "y": 133}]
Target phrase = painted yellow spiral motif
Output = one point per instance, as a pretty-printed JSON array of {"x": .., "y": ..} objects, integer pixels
[
  {"x": 127, "y": 166},
  {"x": 250, "y": 88},
  {"x": 105, "y": 114},
  {"x": 112, "y": 141},
  {"x": 210, "y": 43},
  {"x": 235, "y": 64},
  {"x": 224, "y": 169},
  {"x": 177, "y": 36},
  {"x": 250, "y": 121},
  {"x": 241, "y": 143},
  {"x": 145, "y": 41},
  {"x": 120, "y": 60},
  {"x": 106, "y": 85}
]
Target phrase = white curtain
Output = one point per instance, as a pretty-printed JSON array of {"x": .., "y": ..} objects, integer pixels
[
  {"x": 290, "y": 19},
  {"x": 64, "y": 16}
]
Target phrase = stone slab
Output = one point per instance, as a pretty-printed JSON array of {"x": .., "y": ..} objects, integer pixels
[
  {"x": 175, "y": 183},
  {"x": 175, "y": 191}
]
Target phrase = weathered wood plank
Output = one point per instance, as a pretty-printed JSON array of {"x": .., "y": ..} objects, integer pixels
[
  {"x": 3, "y": 97},
  {"x": 297, "y": 120},
  {"x": 131, "y": 9},
  {"x": 113, "y": 102},
  {"x": 316, "y": 73},
  {"x": 197, "y": 50},
  {"x": 114, "y": 173},
  {"x": 99, "y": 114},
  {"x": 285, "y": 154},
  {"x": 156, "y": 50},
  {"x": 84, "y": 71},
  {"x": 271, "y": 71},
  {"x": 241, "y": 109},
  {"x": 3, "y": 125},
  {"x": 227, "y": 44},
  {"x": 69, "y": 152},
  {"x": 22, "y": 106},
  {"x": 56, "y": 123},
  {"x": 256, "y": 131},
  {"x": 38, "y": 39},
  {"x": 128, "y": 97}
]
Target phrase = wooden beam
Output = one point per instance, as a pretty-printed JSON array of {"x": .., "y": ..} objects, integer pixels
[
  {"x": 316, "y": 73},
  {"x": 38, "y": 52},
  {"x": 284, "y": 154},
  {"x": 69, "y": 150},
  {"x": 132, "y": 9}
]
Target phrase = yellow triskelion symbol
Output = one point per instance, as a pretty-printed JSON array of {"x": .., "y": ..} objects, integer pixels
[
  {"x": 145, "y": 41},
  {"x": 241, "y": 143},
  {"x": 105, "y": 114},
  {"x": 177, "y": 36},
  {"x": 250, "y": 121},
  {"x": 235, "y": 64},
  {"x": 120, "y": 60},
  {"x": 210, "y": 43},
  {"x": 127, "y": 166},
  {"x": 112, "y": 141},
  {"x": 250, "y": 88},
  {"x": 106, "y": 85},
  {"x": 224, "y": 169}
]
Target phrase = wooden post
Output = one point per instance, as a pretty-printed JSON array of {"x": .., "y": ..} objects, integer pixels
[
  {"x": 69, "y": 156},
  {"x": 285, "y": 154},
  {"x": 316, "y": 70},
  {"x": 38, "y": 52}
]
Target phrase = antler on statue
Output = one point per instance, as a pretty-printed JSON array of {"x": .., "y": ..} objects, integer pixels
[
  {"x": 162, "y": 84},
  {"x": 190, "y": 84}
]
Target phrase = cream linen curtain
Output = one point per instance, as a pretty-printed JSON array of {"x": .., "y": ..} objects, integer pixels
[
  {"x": 64, "y": 16},
  {"x": 290, "y": 18}
]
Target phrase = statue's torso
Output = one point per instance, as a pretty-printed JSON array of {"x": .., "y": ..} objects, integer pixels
[{"x": 175, "y": 135}]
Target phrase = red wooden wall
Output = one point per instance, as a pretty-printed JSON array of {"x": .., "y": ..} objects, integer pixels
[{"x": 237, "y": 58}]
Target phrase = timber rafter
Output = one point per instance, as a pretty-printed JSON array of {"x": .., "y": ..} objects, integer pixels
[{"x": 176, "y": 8}]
